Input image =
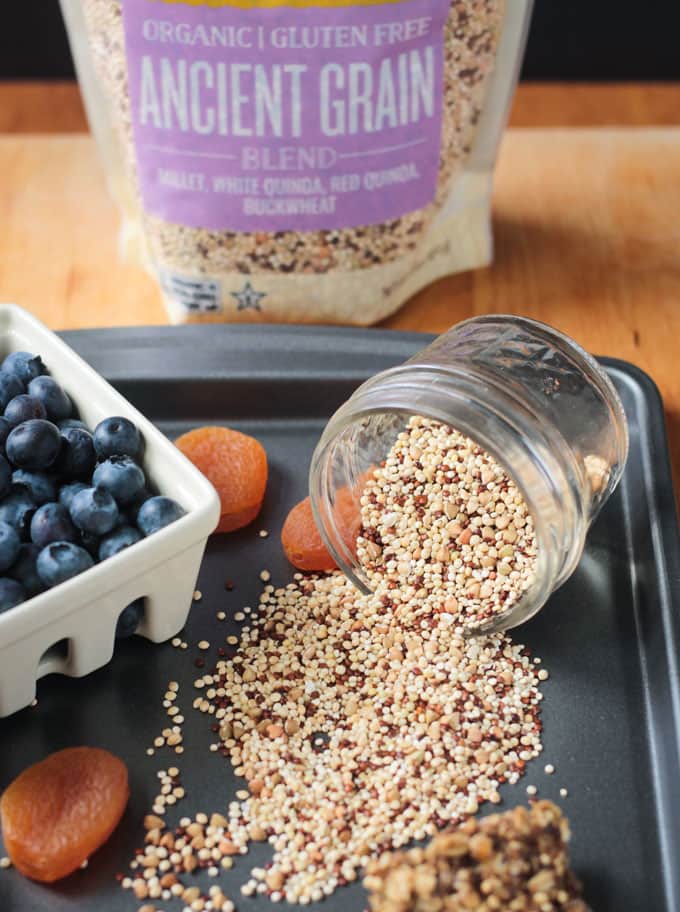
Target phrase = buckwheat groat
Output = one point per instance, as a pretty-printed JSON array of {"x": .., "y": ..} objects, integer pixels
[
  {"x": 514, "y": 861},
  {"x": 442, "y": 517}
]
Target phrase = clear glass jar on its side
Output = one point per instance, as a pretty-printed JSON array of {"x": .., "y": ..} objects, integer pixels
[{"x": 526, "y": 393}]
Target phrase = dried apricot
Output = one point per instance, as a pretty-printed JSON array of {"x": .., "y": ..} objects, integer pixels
[
  {"x": 236, "y": 465},
  {"x": 302, "y": 542},
  {"x": 59, "y": 811}
]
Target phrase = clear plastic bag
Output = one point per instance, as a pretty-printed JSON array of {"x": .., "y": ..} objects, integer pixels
[{"x": 301, "y": 162}]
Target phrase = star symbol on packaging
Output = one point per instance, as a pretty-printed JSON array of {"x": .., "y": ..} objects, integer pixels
[{"x": 248, "y": 298}]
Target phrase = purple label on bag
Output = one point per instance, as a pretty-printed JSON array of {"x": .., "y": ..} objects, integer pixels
[{"x": 299, "y": 117}]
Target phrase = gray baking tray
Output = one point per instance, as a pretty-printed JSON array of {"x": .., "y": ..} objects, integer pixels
[{"x": 609, "y": 637}]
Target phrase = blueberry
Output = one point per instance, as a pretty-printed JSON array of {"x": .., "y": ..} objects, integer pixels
[
  {"x": 23, "y": 408},
  {"x": 9, "y": 546},
  {"x": 5, "y": 428},
  {"x": 24, "y": 365},
  {"x": 5, "y": 476},
  {"x": 60, "y": 561},
  {"x": 39, "y": 485},
  {"x": 157, "y": 513},
  {"x": 94, "y": 511},
  {"x": 117, "y": 437},
  {"x": 121, "y": 537},
  {"x": 121, "y": 477},
  {"x": 72, "y": 423},
  {"x": 77, "y": 456},
  {"x": 17, "y": 509},
  {"x": 128, "y": 622},
  {"x": 68, "y": 491},
  {"x": 132, "y": 509},
  {"x": 24, "y": 569},
  {"x": 11, "y": 594},
  {"x": 91, "y": 543},
  {"x": 55, "y": 399},
  {"x": 52, "y": 523},
  {"x": 34, "y": 444},
  {"x": 10, "y": 386}
]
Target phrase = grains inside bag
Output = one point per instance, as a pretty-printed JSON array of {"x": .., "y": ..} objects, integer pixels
[
  {"x": 308, "y": 162},
  {"x": 441, "y": 515}
]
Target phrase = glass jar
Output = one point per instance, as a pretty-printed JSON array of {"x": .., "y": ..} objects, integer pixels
[{"x": 526, "y": 393}]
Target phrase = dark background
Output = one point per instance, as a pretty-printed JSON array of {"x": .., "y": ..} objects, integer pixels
[{"x": 569, "y": 39}]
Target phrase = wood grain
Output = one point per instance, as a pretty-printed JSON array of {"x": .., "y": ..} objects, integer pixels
[
  {"x": 59, "y": 243},
  {"x": 41, "y": 107},
  {"x": 592, "y": 104},
  {"x": 55, "y": 107}
]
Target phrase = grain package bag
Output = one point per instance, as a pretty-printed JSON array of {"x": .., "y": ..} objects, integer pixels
[{"x": 299, "y": 160}]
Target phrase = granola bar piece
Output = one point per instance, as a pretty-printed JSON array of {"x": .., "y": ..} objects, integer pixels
[{"x": 515, "y": 862}]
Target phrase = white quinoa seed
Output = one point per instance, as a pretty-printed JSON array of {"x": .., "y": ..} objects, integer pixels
[
  {"x": 563, "y": 793},
  {"x": 5, "y": 862},
  {"x": 198, "y": 595},
  {"x": 532, "y": 790},
  {"x": 549, "y": 769}
]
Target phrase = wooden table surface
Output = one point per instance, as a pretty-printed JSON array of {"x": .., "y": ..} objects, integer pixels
[{"x": 586, "y": 222}]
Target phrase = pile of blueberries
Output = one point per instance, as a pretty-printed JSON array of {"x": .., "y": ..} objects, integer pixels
[{"x": 69, "y": 497}]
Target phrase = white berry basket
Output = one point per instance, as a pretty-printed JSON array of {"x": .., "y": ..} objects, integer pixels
[{"x": 71, "y": 629}]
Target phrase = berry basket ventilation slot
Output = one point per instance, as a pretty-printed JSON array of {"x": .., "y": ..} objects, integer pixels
[{"x": 299, "y": 160}]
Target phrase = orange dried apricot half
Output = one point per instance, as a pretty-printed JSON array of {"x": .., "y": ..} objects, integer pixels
[
  {"x": 302, "y": 542},
  {"x": 236, "y": 465},
  {"x": 59, "y": 811}
]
